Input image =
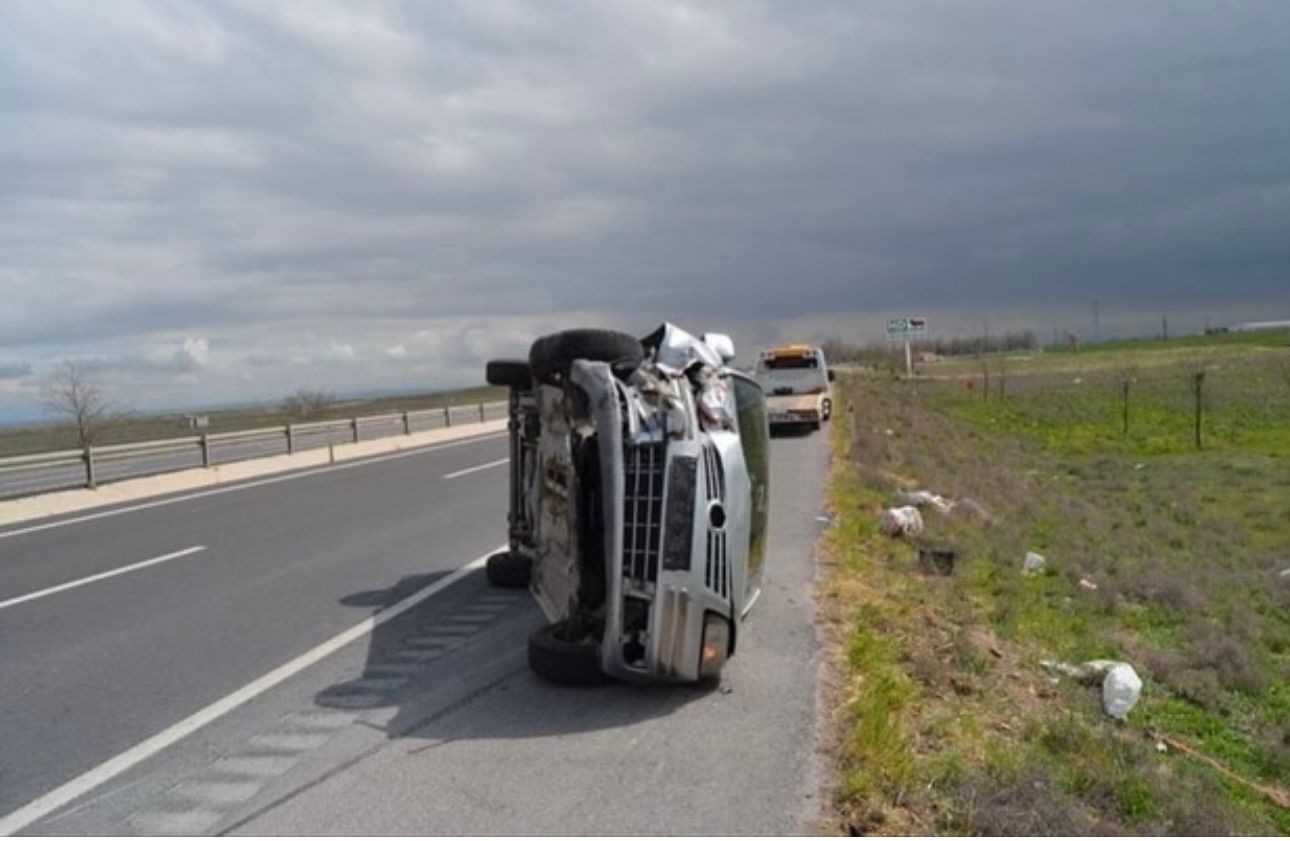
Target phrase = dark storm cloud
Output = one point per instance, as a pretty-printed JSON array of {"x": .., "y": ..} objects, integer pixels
[{"x": 270, "y": 181}]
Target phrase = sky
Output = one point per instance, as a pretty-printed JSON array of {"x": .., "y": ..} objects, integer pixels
[{"x": 219, "y": 202}]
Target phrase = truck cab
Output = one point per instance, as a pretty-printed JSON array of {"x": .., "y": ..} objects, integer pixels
[{"x": 797, "y": 381}]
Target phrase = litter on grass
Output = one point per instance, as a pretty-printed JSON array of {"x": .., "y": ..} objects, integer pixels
[
  {"x": 1034, "y": 564},
  {"x": 926, "y": 499},
  {"x": 901, "y": 522},
  {"x": 1121, "y": 686}
]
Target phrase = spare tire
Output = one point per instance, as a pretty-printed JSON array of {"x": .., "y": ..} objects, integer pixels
[
  {"x": 563, "y": 662},
  {"x": 512, "y": 373},
  {"x": 555, "y": 353}
]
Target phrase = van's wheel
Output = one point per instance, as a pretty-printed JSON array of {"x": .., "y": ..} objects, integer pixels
[
  {"x": 826, "y": 410},
  {"x": 512, "y": 373},
  {"x": 555, "y": 353},
  {"x": 560, "y": 661},
  {"x": 508, "y": 569}
]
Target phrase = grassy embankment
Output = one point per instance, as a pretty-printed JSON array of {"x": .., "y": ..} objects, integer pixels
[
  {"x": 947, "y": 722},
  {"x": 149, "y": 427}
]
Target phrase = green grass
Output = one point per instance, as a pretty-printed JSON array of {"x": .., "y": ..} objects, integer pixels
[
  {"x": 1279, "y": 337},
  {"x": 1182, "y": 546}
]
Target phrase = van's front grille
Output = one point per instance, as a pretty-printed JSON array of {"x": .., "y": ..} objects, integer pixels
[
  {"x": 643, "y": 467},
  {"x": 716, "y": 575}
]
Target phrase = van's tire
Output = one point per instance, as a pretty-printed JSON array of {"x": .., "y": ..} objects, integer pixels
[
  {"x": 508, "y": 569},
  {"x": 555, "y": 353},
  {"x": 565, "y": 663},
  {"x": 512, "y": 373}
]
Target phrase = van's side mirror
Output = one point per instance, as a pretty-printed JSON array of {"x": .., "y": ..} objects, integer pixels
[
  {"x": 721, "y": 344},
  {"x": 833, "y": 375}
]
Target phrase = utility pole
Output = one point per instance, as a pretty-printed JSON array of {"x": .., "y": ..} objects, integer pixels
[
  {"x": 1097, "y": 319},
  {"x": 1164, "y": 327}
]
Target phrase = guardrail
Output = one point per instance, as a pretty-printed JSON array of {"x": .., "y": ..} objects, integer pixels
[{"x": 93, "y": 465}]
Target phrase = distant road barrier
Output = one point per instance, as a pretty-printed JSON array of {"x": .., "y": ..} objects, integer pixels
[{"x": 94, "y": 465}]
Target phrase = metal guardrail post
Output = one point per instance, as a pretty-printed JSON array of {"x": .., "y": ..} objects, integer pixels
[{"x": 329, "y": 430}]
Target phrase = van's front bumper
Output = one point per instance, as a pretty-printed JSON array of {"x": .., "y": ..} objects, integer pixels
[{"x": 670, "y": 585}]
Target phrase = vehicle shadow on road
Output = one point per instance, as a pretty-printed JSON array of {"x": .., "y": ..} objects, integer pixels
[{"x": 453, "y": 669}]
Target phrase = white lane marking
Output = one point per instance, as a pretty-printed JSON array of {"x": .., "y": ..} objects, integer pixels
[
  {"x": 81, "y": 582},
  {"x": 122, "y": 762},
  {"x": 430, "y": 448},
  {"x": 476, "y": 468}
]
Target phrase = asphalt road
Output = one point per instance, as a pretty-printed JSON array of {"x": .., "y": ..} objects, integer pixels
[{"x": 430, "y": 724}]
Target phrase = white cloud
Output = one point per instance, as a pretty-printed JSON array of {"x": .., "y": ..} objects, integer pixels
[
  {"x": 341, "y": 351},
  {"x": 396, "y": 351},
  {"x": 195, "y": 353}
]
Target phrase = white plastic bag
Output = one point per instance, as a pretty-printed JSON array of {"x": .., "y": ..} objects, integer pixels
[
  {"x": 1034, "y": 564},
  {"x": 1120, "y": 690},
  {"x": 897, "y": 522},
  {"x": 1121, "y": 685}
]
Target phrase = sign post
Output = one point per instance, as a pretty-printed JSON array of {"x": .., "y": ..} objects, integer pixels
[{"x": 904, "y": 329}]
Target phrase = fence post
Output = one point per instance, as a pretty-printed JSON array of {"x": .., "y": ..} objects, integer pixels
[
  {"x": 1198, "y": 385},
  {"x": 407, "y": 427},
  {"x": 89, "y": 466},
  {"x": 1126, "y": 407},
  {"x": 481, "y": 412},
  {"x": 447, "y": 416},
  {"x": 291, "y": 441},
  {"x": 206, "y": 451},
  {"x": 353, "y": 422}
]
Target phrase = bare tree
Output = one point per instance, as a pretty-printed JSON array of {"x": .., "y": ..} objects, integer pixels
[
  {"x": 74, "y": 393},
  {"x": 308, "y": 402}
]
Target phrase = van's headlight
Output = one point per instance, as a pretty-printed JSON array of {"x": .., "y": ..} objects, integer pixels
[
  {"x": 716, "y": 645},
  {"x": 716, "y": 404}
]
